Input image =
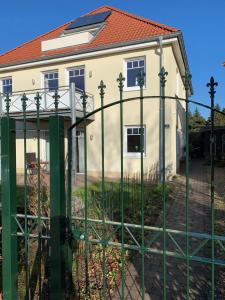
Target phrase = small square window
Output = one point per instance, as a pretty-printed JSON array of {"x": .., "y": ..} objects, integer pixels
[
  {"x": 133, "y": 140},
  {"x": 135, "y": 64},
  {"x": 141, "y": 63},
  {"x": 129, "y": 65}
]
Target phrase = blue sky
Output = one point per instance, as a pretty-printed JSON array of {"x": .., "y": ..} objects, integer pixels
[{"x": 201, "y": 21}]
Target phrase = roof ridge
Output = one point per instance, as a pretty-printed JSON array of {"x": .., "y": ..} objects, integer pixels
[
  {"x": 34, "y": 39},
  {"x": 143, "y": 19}
]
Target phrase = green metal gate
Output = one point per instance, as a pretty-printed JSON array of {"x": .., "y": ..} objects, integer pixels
[{"x": 107, "y": 239}]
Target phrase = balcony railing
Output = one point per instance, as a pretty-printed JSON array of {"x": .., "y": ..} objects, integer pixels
[{"x": 47, "y": 101}]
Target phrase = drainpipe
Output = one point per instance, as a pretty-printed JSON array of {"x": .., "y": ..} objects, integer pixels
[{"x": 160, "y": 109}]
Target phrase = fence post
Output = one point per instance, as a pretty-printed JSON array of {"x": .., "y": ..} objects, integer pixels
[
  {"x": 57, "y": 208},
  {"x": 212, "y": 84},
  {"x": 9, "y": 227}
]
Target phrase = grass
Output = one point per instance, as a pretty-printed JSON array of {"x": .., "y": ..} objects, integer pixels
[{"x": 109, "y": 206}]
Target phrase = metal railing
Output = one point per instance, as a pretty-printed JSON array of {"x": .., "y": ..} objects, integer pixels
[{"x": 46, "y": 101}]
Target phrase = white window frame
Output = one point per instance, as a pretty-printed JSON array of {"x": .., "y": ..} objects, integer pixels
[
  {"x": 43, "y": 77},
  {"x": 133, "y": 88},
  {"x": 74, "y": 68},
  {"x": 133, "y": 154},
  {"x": 5, "y": 78}
]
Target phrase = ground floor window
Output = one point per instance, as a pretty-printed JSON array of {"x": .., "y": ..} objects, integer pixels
[{"x": 132, "y": 138}]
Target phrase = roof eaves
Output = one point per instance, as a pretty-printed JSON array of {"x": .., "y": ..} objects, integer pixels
[
  {"x": 184, "y": 54},
  {"x": 83, "y": 51}
]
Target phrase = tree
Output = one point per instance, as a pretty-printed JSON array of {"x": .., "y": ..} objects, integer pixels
[
  {"x": 219, "y": 119},
  {"x": 196, "y": 120}
]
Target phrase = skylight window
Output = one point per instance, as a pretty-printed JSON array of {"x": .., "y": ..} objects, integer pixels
[{"x": 89, "y": 20}]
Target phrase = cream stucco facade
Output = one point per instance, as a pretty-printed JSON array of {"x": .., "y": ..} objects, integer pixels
[{"x": 107, "y": 66}]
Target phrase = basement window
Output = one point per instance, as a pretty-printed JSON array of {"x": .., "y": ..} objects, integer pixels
[{"x": 132, "y": 140}]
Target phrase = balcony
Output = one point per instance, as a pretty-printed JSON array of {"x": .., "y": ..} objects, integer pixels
[{"x": 69, "y": 100}]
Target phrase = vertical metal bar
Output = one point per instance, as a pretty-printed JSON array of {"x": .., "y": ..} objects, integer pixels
[
  {"x": 121, "y": 80},
  {"x": 187, "y": 83},
  {"x": 84, "y": 99},
  {"x": 26, "y": 234},
  {"x": 212, "y": 84},
  {"x": 57, "y": 207},
  {"x": 1, "y": 104},
  {"x": 141, "y": 82},
  {"x": 73, "y": 120},
  {"x": 71, "y": 175},
  {"x": 9, "y": 227},
  {"x": 69, "y": 212},
  {"x": 103, "y": 206},
  {"x": 37, "y": 100},
  {"x": 162, "y": 76}
]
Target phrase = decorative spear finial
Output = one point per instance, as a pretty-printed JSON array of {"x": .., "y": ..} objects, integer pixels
[
  {"x": 56, "y": 100},
  {"x": 121, "y": 79},
  {"x": 163, "y": 73},
  {"x": 187, "y": 80},
  {"x": 7, "y": 106},
  {"x": 37, "y": 98},
  {"x": 24, "y": 102},
  {"x": 84, "y": 97},
  {"x": 102, "y": 88},
  {"x": 212, "y": 84},
  {"x": 141, "y": 79}
]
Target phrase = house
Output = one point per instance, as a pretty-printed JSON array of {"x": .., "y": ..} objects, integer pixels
[{"x": 84, "y": 51}]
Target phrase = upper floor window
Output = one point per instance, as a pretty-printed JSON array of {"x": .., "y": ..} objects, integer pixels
[
  {"x": 7, "y": 86},
  {"x": 51, "y": 81},
  {"x": 134, "y": 67},
  {"x": 76, "y": 75}
]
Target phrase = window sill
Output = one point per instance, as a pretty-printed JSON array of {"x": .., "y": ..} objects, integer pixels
[
  {"x": 132, "y": 89},
  {"x": 134, "y": 155}
]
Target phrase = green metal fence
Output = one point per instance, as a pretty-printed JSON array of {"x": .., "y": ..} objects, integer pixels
[{"x": 105, "y": 239}]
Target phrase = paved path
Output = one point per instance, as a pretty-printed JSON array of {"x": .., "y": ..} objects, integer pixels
[{"x": 200, "y": 216}]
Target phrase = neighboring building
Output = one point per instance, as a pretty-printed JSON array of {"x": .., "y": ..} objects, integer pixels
[{"x": 96, "y": 48}]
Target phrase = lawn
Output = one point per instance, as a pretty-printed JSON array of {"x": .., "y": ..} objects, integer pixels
[
  {"x": 88, "y": 270},
  {"x": 108, "y": 206}
]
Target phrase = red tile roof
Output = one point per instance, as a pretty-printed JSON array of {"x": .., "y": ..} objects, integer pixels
[{"x": 120, "y": 27}]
